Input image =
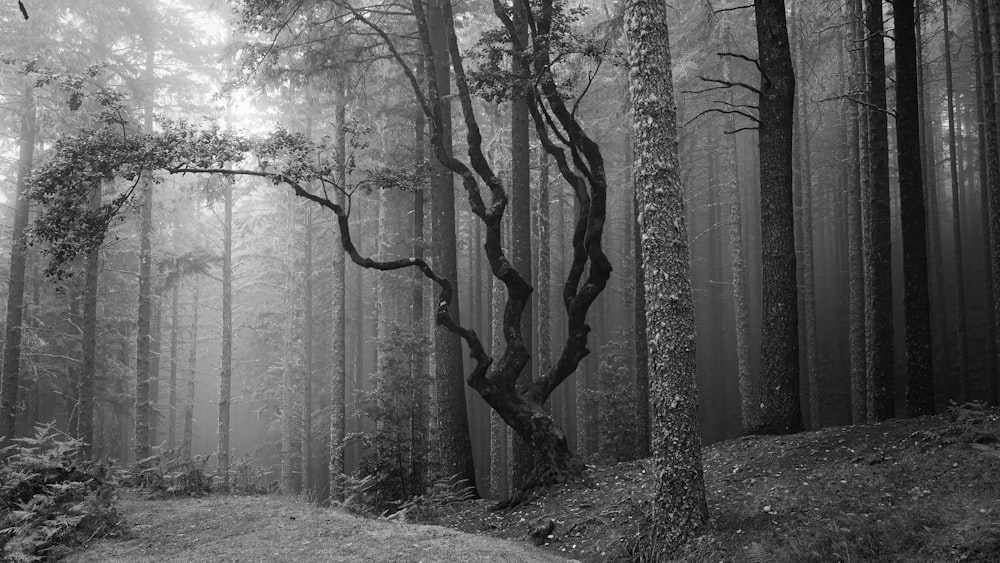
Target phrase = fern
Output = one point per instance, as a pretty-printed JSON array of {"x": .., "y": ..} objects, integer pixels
[{"x": 50, "y": 500}]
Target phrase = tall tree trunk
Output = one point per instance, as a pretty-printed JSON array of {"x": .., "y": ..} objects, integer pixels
[
  {"x": 338, "y": 344},
  {"x": 781, "y": 411},
  {"x": 520, "y": 213},
  {"x": 226, "y": 370},
  {"x": 142, "y": 333},
  {"x": 18, "y": 258},
  {"x": 858, "y": 175},
  {"x": 643, "y": 438},
  {"x": 307, "y": 375},
  {"x": 88, "y": 371},
  {"x": 453, "y": 435},
  {"x": 420, "y": 441},
  {"x": 990, "y": 33},
  {"x": 154, "y": 373},
  {"x": 174, "y": 360},
  {"x": 919, "y": 375},
  {"x": 192, "y": 372},
  {"x": 808, "y": 277},
  {"x": 877, "y": 241},
  {"x": 500, "y": 486},
  {"x": 989, "y": 175},
  {"x": 680, "y": 497},
  {"x": 544, "y": 266},
  {"x": 929, "y": 128}
]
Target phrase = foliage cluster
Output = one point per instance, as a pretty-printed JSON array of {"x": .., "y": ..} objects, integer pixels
[
  {"x": 51, "y": 499},
  {"x": 169, "y": 474},
  {"x": 614, "y": 401},
  {"x": 570, "y": 46},
  {"x": 394, "y": 460}
]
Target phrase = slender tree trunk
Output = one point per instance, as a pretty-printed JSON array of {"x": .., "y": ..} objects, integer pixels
[
  {"x": 929, "y": 127},
  {"x": 174, "y": 360},
  {"x": 88, "y": 372},
  {"x": 338, "y": 344},
  {"x": 680, "y": 497},
  {"x": 420, "y": 441},
  {"x": 919, "y": 375},
  {"x": 781, "y": 411},
  {"x": 154, "y": 373},
  {"x": 808, "y": 277},
  {"x": 307, "y": 376},
  {"x": 18, "y": 258},
  {"x": 143, "y": 319},
  {"x": 858, "y": 175},
  {"x": 226, "y": 371},
  {"x": 192, "y": 370}
]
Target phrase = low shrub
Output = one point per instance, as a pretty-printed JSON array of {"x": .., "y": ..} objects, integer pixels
[{"x": 51, "y": 500}]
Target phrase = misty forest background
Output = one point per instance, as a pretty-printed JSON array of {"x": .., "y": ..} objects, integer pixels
[{"x": 314, "y": 71}]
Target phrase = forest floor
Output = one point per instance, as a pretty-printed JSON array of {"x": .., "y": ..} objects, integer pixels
[
  {"x": 223, "y": 528},
  {"x": 924, "y": 489}
]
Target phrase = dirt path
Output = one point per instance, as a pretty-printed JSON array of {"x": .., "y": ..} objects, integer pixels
[{"x": 245, "y": 529}]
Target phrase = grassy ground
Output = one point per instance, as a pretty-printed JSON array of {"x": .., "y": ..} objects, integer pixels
[
  {"x": 246, "y": 529},
  {"x": 913, "y": 490},
  {"x": 924, "y": 489}
]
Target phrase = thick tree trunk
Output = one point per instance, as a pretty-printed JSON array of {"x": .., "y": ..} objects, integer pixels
[
  {"x": 520, "y": 213},
  {"x": 990, "y": 42},
  {"x": 18, "y": 257},
  {"x": 989, "y": 175},
  {"x": 455, "y": 446},
  {"x": 877, "y": 235},
  {"x": 499, "y": 475},
  {"x": 781, "y": 410},
  {"x": 919, "y": 375},
  {"x": 680, "y": 499},
  {"x": 643, "y": 437}
]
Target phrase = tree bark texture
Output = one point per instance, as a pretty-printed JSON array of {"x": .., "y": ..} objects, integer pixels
[
  {"x": 877, "y": 234},
  {"x": 956, "y": 199},
  {"x": 520, "y": 211},
  {"x": 857, "y": 141},
  {"x": 18, "y": 257},
  {"x": 916, "y": 298},
  {"x": 226, "y": 370},
  {"x": 680, "y": 497},
  {"x": 192, "y": 371},
  {"x": 781, "y": 410}
]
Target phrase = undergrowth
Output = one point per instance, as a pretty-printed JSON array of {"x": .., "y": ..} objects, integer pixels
[{"x": 51, "y": 500}]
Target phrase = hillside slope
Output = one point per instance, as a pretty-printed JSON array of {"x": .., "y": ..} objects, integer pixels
[{"x": 907, "y": 490}]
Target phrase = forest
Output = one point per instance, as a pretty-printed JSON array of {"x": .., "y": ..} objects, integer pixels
[{"x": 408, "y": 258}]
